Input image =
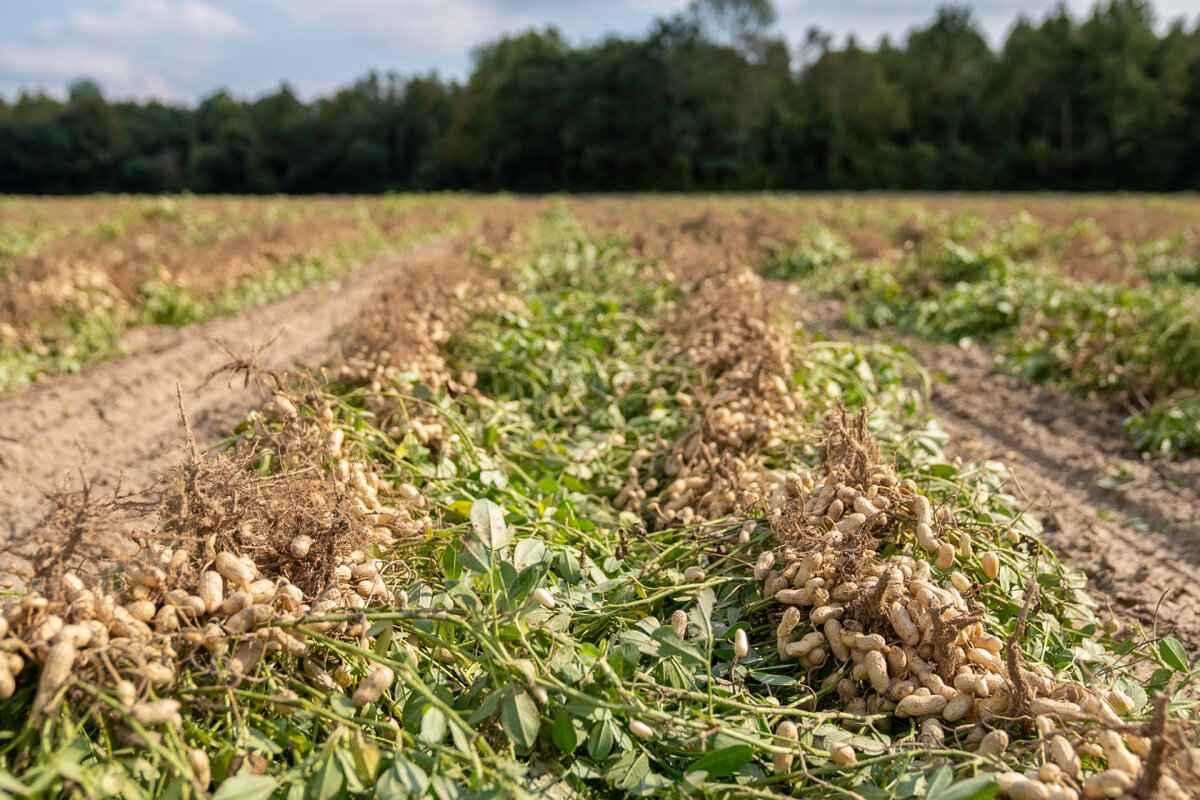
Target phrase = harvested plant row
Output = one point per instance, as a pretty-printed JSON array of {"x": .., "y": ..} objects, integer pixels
[{"x": 611, "y": 531}]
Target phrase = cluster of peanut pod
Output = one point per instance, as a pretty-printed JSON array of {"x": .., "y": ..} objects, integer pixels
[
  {"x": 729, "y": 340},
  {"x": 136, "y": 636},
  {"x": 909, "y": 644},
  {"x": 357, "y": 481}
]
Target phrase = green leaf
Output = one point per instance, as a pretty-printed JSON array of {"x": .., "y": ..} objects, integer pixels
[
  {"x": 461, "y": 738},
  {"x": 329, "y": 782},
  {"x": 486, "y": 709},
  {"x": 725, "y": 761},
  {"x": 520, "y": 719},
  {"x": 642, "y": 641},
  {"x": 629, "y": 770},
  {"x": 508, "y": 576},
  {"x": 11, "y": 785},
  {"x": 672, "y": 645},
  {"x": 1159, "y": 678},
  {"x": 651, "y": 784},
  {"x": 175, "y": 790},
  {"x": 1173, "y": 654},
  {"x": 568, "y": 567},
  {"x": 247, "y": 787},
  {"x": 444, "y": 788},
  {"x": 494, "y": 478},
  {"x": 474, "y": 557},
  {"x": 600, "y": 740},
  {"x": 528, "y": 552},
  {"x": 1125, "y": 646},
  {"x": 402, "y": 778},
  {"x": 350, "y": 771},
  {"x": 981, "y": 787},
  {"x": 487, "y": 519},
  {"x": 433, "y": 725},
  {"x": 566, "y": 664},
  {"x": 450, "y": 565},
  {"x": 910, "y": 785},
  {"x": 939, "y": 782},
  {"x": 526, "y": 581},
  {"x": 563, "y": 732},
  {"x": 701, "y": 615},
  {"x": 382, "y": 632},
  {"x": 943, "y": 471},
  {"x": 491, "y": 435},
  {"x": 773, "y": 678}
]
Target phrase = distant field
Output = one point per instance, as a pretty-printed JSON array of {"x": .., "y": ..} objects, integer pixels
[
  {"x": 75, "y": 274},
  {"x": 1091, "y": 293}
]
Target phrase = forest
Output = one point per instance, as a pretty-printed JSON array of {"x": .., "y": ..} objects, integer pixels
[{"x": 709, "y": 99}]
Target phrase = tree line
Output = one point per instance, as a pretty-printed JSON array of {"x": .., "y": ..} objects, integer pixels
[{"x": 709, "y": 99}]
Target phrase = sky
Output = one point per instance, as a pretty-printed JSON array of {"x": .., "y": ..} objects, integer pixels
[{"x": 182, "y": 50}]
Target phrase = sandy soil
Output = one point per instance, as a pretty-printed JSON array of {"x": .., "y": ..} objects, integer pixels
[
  {"x": 121, "y": 420},
  {"x": 1132, "y": 525}
]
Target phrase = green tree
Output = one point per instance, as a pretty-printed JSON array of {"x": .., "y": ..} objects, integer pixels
[{"x": 709, "y": 98}]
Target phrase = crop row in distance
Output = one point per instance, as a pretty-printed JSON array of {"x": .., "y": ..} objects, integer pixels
[
  {"x": 69, "y": 291},
  {"x": 1068, "y": 306},
  {"x": 66, "y": 301},
  {"x": 32, "y": 226},
  {"x": 545, "y": 532},
  {"x": 1095, "y": 295},
  {"x": 1126, "y": 240}
]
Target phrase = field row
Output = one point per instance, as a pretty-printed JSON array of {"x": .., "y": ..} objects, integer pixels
[
  {"x": 1095, "y": 238},
  {"x": 1094, "y": 296},
  {"x": 75, "y": 275},
  {"x": 1139, "y": 345},
  {"x": 580, "y": 515}
]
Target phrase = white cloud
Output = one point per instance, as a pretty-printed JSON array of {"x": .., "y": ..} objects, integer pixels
[
  {"x": 871, "y": 19},
  {"x": 416, "y": 29},
  {"x": 56, "y": 66},
  {"x": 64, "y": 62},
  {"x": 152, "y": 48},
  {"x": 141, "y": 19},
  {"x": 133, "y": 48}
]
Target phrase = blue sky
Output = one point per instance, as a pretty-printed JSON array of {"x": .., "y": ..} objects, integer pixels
[{"x": 184, "y": 49}]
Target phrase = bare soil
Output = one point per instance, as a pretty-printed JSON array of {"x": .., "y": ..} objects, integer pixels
[
  {"x": 1131, "y": 524},
  {"x": 121, "y": 419}
]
